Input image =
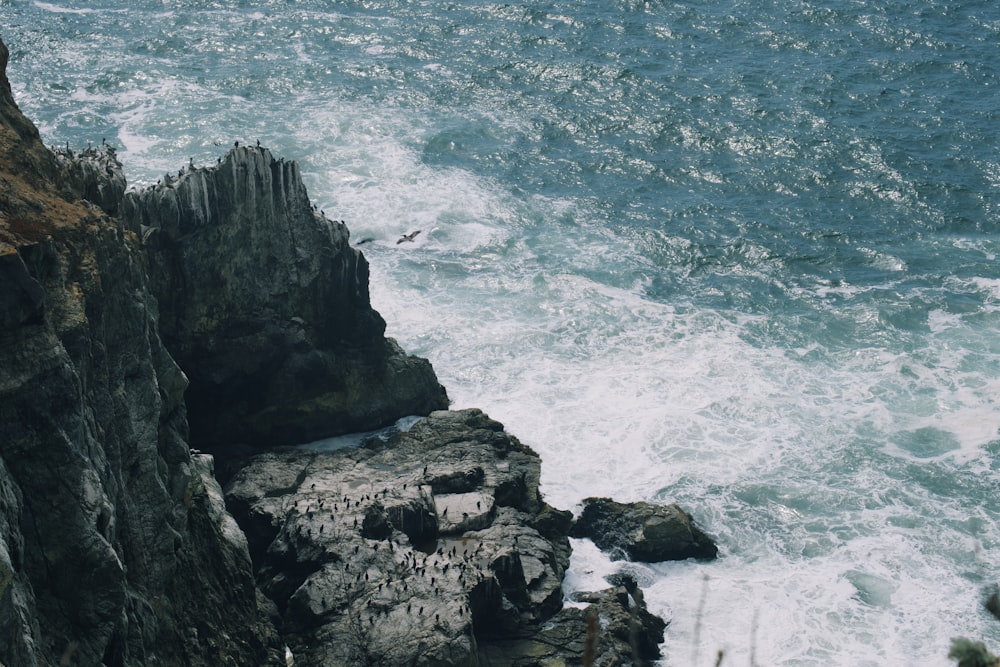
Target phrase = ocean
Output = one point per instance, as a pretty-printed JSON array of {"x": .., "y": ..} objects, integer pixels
[{"x": 737, "y": 255}]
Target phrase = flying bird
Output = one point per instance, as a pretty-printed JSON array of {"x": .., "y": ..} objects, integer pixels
[{"x": 408, "y": 237}]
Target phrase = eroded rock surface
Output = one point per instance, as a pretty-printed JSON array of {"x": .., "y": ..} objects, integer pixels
[
  {"x": 615, "y": 628},
  {"x": 420, "y": 550}
]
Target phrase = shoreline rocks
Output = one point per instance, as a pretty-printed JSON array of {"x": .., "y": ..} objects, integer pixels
[
  {"x": 431, "y": 547},
  {"x": 615, "y": 628},
  {"x": 643, "y": 531},
  {"x": 422, "y": 548}
]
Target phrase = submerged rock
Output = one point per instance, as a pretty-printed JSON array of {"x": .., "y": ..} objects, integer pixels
[
  {"x": 643, "y": 531},
  {"x": 992, "y": 600},
  {"x": 265, "y": 306},
  {"x": 970, "y": 653}
]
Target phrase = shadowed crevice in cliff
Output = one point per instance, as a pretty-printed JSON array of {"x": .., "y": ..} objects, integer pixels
[{"x": 265, "y": 306}]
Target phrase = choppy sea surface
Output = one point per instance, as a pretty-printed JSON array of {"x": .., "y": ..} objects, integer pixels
[{"x": 739, "y": 255}]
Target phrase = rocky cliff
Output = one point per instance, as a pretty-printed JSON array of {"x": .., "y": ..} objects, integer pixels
[
  {"x": 115, "y": 546},
  {"x": 265, "y": 306}
]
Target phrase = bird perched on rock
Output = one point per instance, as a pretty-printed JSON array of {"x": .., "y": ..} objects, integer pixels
[{"x": 408, "y": 237}]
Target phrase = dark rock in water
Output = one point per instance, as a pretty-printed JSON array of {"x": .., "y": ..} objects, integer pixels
[
  {"x": 265, "y": 306},
  {"x": 407, "y": 569},
  {"x": 643, "y": 531},
  {"x": 115, "y": 545},
  {"x": 615, "y": 628},
  {"x": 970, "y": 653},
  {"x": 992, "y": 602}
]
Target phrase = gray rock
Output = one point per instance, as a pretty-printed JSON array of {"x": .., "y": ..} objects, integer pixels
[
  {"x": 114, "y": 544},
  {"x": 94, "y": 175},
  {"x": 643, "y": 531},
  {"x": 419, "y": 551},
  {"x": 265, "y": 305},
  {"x": 615, "y": 628}
]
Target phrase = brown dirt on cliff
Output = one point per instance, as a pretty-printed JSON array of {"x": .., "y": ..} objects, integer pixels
[{"x": 31, "y": 206}]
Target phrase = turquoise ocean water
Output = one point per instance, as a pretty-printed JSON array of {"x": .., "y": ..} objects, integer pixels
[{"x": 738, "y": 255}]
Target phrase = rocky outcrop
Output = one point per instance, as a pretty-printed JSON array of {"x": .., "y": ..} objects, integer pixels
[
  {"x": 970, "y": 653},
  {"x": 94, "y": 175},
  {"x": 418, "y": 550},
  {"x": 114, "y": 545},
  {"x": 614, "y": 628},
  {"x": 265, "y": 306},
  {"x": 429, "y": 547},
  {"x": 991, "y": 600},
  {"x": 643, "y": 531}
]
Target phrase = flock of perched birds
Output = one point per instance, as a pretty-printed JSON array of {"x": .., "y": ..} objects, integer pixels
[
  {"x": 412, "y": 574},
  {"x": 108, "y": 150}
]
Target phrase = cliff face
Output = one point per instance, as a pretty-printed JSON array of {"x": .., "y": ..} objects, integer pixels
[
  {"x": 115, "y": 546},
  {"x": 265, "y": 305}
]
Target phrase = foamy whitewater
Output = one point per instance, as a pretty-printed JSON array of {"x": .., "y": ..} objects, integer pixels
[{"x": 739, "y": 255}]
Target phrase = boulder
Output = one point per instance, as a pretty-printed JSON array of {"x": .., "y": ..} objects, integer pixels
[
  {"x": 991, "y": 600},
  {"x": 603, "y": 628},
  {"x": 643, "y": 531}
]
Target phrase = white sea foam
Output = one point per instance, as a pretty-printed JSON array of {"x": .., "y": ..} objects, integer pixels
[
  {"x": 383, "y": 189},
  {"x": 989, "y": 285},
  {"x": 589, "y": 571},
  {"x": 353, "y": 440},
  {"x": 56, "y": 9}
]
